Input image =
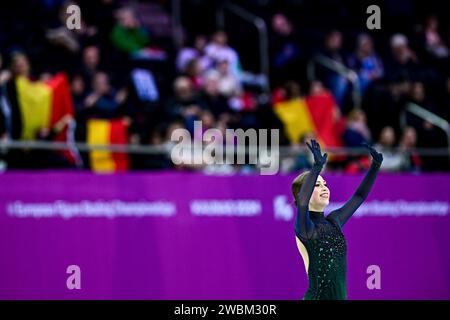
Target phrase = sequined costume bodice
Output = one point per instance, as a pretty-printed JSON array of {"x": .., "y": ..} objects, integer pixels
[{"x": 327, "y": 251}]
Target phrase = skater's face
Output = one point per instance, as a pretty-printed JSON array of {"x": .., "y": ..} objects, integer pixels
[{"x": 321, "y": 195}]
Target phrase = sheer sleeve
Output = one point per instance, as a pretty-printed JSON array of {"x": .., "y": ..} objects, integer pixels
[
  {"x": 344, "y": 213},
  {"x": 303, "y": 224}
]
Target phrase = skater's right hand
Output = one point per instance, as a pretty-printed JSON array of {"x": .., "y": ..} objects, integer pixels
[{"x": 315, "y": 149}]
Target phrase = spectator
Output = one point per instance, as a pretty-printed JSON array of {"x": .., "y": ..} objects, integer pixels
[
  {"x": 78, "y": 89},
  {"x": 284, "y": 50},
  {"x": 357, "y": 131},
  {"x": 228, "y": 83},
  {"x": 365, "y": 62},
  {"x": 91, "y": 63},
  {"x": 218, "y": 51},
  {"x": 392, "y": 161},
  {"x": 20, "y": 65},
  {"x": 334, "y": 81},
  {"x": 418, "y": 96},
  {"x": 212, "y": 99},
  {"x": 103, "y": 101},
  {"x": 194, "y": 72},
  {"x": 434, "y": 48},
  {"x": 408, "y": 142},
  {"x": 128, "y": 35},
  {"x": 429, "y": 135},
  {"x": 185, "y": 104},
  {"x": 403, "y": 61},
  {"x": 433, "y": 41},
  {"x": 197, "y": 51}
]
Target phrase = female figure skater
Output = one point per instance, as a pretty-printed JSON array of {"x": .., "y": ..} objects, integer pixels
[{"x": 320, "y": 239}]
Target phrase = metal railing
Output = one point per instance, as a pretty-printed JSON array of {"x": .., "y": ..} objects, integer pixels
[
  {"x": 260, "y": 26},
  {"x": 339, "y": 68},
  {"x": 165, "y": 149},
  {"x": 428, "y": 116},
  {"x": 177, "y": 31}
]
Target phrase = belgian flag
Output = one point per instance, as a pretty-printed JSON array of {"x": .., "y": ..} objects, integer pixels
[
  {"x": 107, "y": 132},
  {"x": 38, "y": 105},
  {"x": 316, "y": 113},
  {"x": 296, "y": 118}
]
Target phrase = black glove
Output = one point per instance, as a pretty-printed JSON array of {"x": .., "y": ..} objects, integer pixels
[
  {"x": 318, "y": 157},
  {"x": 376, "y": 156}
]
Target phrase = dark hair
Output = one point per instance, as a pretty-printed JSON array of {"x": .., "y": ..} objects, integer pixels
[
  {"x": 297, "y": 185},
  {"x": 292, "y": 89}
]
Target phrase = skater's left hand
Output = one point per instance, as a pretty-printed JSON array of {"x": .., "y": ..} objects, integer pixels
[{"x": 376, "y": 156}]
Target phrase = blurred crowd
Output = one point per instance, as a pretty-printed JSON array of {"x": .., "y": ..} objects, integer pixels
[{"x": 122, "y": 64}]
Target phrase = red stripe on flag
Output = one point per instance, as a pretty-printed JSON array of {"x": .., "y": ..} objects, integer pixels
[
  {"x": 322, "y": 108},
  {"x": 62, "y": 105},
  {"x": 119, "y": 135}
]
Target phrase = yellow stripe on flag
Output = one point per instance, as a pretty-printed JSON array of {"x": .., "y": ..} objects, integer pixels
[
  {"x": 35, "y": 100},
  {"x": 98, "y": 132},
  {"x": 296, "y": 119}
]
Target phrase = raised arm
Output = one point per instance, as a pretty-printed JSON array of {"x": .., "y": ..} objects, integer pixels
[
  {"x": 303, "y": 224},
  {"x": 345, "y": 212}
]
